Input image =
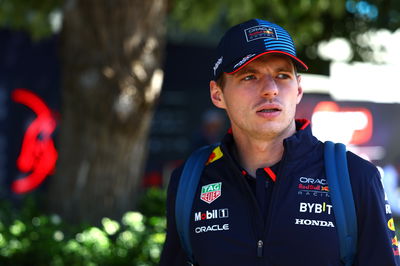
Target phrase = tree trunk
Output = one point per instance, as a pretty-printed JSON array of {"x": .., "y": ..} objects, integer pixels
[{"x": 111, "y": 53}]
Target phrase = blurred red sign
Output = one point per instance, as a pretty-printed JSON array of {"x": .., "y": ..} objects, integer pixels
[
  {"x": 38, "y": 155},
  {"x": 352, "y": 125}
]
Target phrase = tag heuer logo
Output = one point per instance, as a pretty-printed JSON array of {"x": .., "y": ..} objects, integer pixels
[{"x": 210, "y": 192}]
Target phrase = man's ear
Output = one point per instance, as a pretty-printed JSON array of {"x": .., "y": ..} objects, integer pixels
[
  {"x": 299, "y": 89},
  {"x": 216, "y": 94}
]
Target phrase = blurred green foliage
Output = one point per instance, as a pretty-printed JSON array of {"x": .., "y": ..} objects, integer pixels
[
  {"x": 30, "y": 238},
  {"x": 309, "y": 21},
  {"x": 153, "y": 202},
  {"x": 303, "y": 16},
  {"x": 203, "y": 22},
  {"x": 29, "y": 15}
]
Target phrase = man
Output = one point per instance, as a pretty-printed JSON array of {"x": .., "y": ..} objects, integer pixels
[{"x": 263, "y": 198}]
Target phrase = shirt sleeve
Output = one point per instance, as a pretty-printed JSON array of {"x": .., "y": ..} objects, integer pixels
[
  {"x": 377, "y": 242},
  {"x": 172, "y": 253}
]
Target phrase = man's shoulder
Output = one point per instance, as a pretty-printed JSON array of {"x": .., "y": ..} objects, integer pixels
[
  {"x": 213, "y": 162},
  {"x": 360, "y": 165},
  {"x": 363, "y": 174}
]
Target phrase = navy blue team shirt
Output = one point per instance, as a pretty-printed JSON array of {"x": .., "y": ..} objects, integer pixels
[{"x": 284, "y": 215}]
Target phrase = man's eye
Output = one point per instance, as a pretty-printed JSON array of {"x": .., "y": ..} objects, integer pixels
[
  {"x": 283, "y": 76},
  {"x": 249, "y": 77}
]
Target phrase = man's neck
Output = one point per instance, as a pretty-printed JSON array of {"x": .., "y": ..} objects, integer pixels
[{"x": 259, "y": 153}]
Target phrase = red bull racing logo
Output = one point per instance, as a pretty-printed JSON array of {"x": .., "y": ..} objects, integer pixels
[
  {"x": 391, "y": 225},
  {"x": 260, "y": 32},
  {"x": 395, "y": 242},
  {"x": 313, "y": 186},
  {"x": 215, "y": 155},
  {"x": 395, "y": 245}
]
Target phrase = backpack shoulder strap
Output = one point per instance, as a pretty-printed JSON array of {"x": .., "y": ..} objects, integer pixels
[
  {"x": 342, "y": 199},
  {"x": 185, "y": 194}
]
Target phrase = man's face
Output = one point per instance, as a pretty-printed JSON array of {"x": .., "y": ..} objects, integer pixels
[{"x": 261, "y": 98}]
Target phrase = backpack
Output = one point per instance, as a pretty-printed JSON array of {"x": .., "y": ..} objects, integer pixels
[{"x": 339, "y": 188}]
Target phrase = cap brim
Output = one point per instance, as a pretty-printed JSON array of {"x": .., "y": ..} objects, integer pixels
[{"x": 300, "y": 64}]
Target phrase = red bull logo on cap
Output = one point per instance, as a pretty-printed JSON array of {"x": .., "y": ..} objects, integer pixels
[{"x": 260, "y": 32}]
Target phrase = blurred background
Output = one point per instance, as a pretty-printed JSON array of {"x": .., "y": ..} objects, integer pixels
[{"x": 101, "y": 100}]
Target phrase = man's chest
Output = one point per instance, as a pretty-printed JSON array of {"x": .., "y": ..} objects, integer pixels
[{"x": 226, "y": 218}]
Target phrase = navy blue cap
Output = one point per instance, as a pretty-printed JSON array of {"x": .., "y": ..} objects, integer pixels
[{"x": 249, "y": 40}]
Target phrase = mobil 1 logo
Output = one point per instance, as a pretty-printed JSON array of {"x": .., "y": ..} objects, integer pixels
[{"x": 212, "y": 214}]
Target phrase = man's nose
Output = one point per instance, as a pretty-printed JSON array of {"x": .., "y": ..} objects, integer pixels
[{"x": 269, "y": 87}]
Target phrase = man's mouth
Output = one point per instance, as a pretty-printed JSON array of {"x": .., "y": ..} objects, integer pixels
[{"x": 269, "y": 110}]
